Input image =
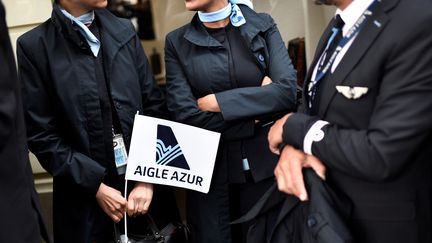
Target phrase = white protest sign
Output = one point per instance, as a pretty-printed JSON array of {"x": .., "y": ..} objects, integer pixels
[{"x": 171, "y": 153}]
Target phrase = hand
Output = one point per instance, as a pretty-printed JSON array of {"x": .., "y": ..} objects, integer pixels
[
  {"x": 289, "y": 173},
  {"x": 208, "y": 103},
  {"x": 140, "y": 198},
  {"x": 111, "y": 201},
  {"x": 266, "y": 80},
  {"x": 274, "y": 136}
]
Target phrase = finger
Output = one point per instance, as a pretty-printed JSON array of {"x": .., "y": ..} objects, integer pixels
[
  {"x": 274, "y": 149},
  {"x": 146, "y": 207},
  {"x": 297, "y": 182},
  {"x": 281, "y": 180},
  {"x": 140, "y": 207},
  {"x": 266, "y": 80},
  {"x": 116, "y": 216},
  {"x": 317, "y": 166},
  {"x": 120, "y": 207},
  {"x": 273, "y": 145},
  {"x": 131, "y": 207}
]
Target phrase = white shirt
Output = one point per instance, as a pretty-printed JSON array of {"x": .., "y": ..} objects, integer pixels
[{"x": 349, "y": 15}]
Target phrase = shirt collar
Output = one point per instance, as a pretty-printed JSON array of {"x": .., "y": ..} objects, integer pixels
[
  {"x": 87, "y": 18},
  {"x": 80, "y": 21},
  {"x": 352, "y": 13}
]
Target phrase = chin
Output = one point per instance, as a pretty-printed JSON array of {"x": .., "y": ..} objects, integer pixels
[
  {"x": 325, "y": 2},
  {"x": 101, "y": 4},
  {"x": 190, "y": 6}
]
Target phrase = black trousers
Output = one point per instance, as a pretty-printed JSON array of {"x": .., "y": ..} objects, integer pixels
[{"x": 209, "y": 215}]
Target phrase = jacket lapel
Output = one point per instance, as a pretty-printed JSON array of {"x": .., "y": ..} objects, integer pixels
[
  {"x": 320, "y": 48},
  {"x": 114, "y": 35},
  {"x": 359, "y": 47}
]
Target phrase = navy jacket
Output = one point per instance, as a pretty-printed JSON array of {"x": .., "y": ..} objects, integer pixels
[
  {"x": 63, "y": 110},
  {"x": 197, "y": 65}
]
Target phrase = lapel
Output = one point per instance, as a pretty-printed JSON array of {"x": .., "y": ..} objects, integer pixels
[
  {"x": 320, "y": 48},
  {"x": 358, "y": 48},
  {"x": 114, "y": 35}
]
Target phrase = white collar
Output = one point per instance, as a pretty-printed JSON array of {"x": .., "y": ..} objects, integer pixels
[{"x": 352, "y": 13}]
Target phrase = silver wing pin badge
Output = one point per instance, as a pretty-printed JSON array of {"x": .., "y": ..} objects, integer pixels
[{"x": 352, "y": 93}]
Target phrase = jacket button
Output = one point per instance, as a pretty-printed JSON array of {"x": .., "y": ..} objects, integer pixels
[
  {"x": 261, "y": 57},
  {"x": 311, "y": 222},
  {"x": 117, "y": 105}
]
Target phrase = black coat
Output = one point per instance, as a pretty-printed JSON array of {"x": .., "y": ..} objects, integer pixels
[
  {"x": 197, "y": 65},
  {"x": 20, "y": 216},
  {"x": 377, "y": 148},
  {"x": 281, "y": 218},
  {"x": 63, "y": 112}
]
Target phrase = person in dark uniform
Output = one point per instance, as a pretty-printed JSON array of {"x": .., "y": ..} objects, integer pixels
[
  {"x": 85, "y": 76},
  {"x": 228, "y": 71},
  {"x": 20, "y": 213},
  {"x": 366, "y": 121}
]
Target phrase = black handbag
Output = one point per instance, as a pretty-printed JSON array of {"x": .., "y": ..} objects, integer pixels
[{"x": 174, "y": 232}]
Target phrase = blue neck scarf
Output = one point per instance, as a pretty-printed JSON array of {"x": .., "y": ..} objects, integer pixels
[
  {"x": 81, "y": 22},
  {"x": 232, "y": 9}
]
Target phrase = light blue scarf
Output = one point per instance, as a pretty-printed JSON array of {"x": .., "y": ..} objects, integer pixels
[
  {"x": 81, "y": 21},
  {"x": 232, "y": 10}
]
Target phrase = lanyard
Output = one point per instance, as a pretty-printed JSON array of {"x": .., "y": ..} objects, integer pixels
[{"x": 345, "y": 40}]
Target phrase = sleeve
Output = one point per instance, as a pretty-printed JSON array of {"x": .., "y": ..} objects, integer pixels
[
  {"x": 279, "y": 96},
  {"x": 153, "y": 98},
  {"x": 182, "y": 104},
  {"x": 400, "y": 123},
  {"x": 45, "y": 138}
]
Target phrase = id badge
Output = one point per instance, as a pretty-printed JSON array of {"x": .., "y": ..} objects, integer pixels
[{"x": 120, "y": 154}]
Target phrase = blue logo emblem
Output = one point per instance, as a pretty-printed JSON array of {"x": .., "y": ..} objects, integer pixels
[{"x": 168, "y": 150}]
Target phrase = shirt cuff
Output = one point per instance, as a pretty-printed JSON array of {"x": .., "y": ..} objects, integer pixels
[{"x": 315, "y": 134}]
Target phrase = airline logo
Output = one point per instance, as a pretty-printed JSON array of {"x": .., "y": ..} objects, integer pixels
[{"x": 168, "y": 150}]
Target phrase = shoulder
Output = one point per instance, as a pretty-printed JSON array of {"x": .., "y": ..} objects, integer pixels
[
  {"x": 409, "y": 18},
  {"x": 113, "y": 23},
  {"x": 178, "y": 33},
  {"x": 265, "y": 18},
  {"x": 33, "y": 36},
  {"x": 412, "y": 10}
]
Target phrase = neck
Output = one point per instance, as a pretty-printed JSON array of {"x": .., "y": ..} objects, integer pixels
[
  {"x": 343, "y": 4},
  {"x": 75, "y": 10},
  {"x": 213, "y": 7}
]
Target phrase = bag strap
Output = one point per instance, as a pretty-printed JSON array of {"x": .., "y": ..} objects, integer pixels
[
  {"x": 117, "y": 236},
  {"x": 159, "y": 238}
]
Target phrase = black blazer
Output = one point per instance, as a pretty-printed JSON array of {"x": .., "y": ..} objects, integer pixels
[
  {"x": 20, "y": 216},
  {"x": 377, "y": 148},
  {"x": 197, "y": 65}
]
